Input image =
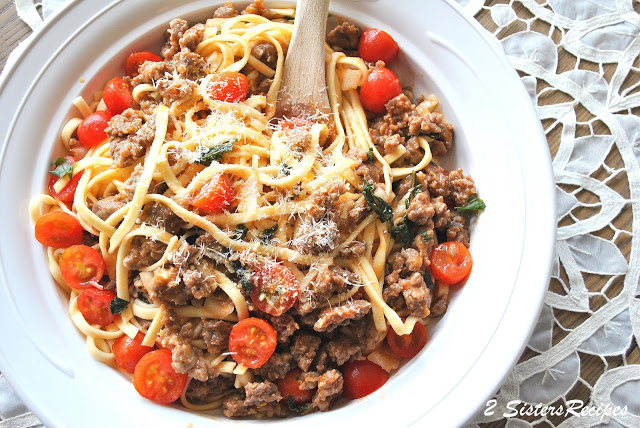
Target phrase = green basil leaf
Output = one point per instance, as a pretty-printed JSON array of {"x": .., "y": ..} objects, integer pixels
[
  {"x": 240, "y": 232},
  {"x": 428, "y": 280},
  {"x": 291, "y": 403},
  {"x": 216, "y": 152},
  {"x": 243, "y": 275},
  {"x": 118, "y": 305},
  {"x": 268, "y": 234},
  {"x": 370, "y": 156},
  {"x": 63, "y": 167},
  {"x": 434, "y": 135},
  {"x": 404, "y": 232},
  {"x": 474, "y": 206},
  {"x": 377, "y": 204}
]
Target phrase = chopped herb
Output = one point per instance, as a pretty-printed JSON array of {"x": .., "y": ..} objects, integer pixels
[
  {"x": 377, "y": 204},
  {"x": 216, "y": 152},
  {"x": 428, "y": 280},
  {"x": 295, "y": 407},
  {"x": 63, "y": 167},
  {"x": 432, "y": 163},
  {"x": 370, "y": 156},
  {"x": 426, "y": 238},
  {"x": 434, "y": 135},
  {"x": 243, "y": 275},
  {"x": 404, "y": 232},
  {"x": 285, "y": 169},
  {"x": 474, "y": 206},
  {"x": 240, "y": 232},
  {"x": 267, "y": 234},
  {"x": 417, "y": 188},
  {"x": 118, "y": 305}
]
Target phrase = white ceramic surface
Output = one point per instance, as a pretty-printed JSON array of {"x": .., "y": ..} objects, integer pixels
[{"x": 499, "y": 142}]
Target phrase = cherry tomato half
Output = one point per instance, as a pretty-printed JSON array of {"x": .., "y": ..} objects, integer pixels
[
  {"x": 135, "y": 60},
  {"x": 450, "y": 262},
  {"x": 214, "y": 196},
  {"x": 95, "y": 306},
  {"x": 229, "y": 86},
  {"x": 81, "y": 266},
  {"x": 68, "y": 192},
  {"x": 91, "y": 130},
  {"x": 117, "y": 96},
  {"x": 377, "y": 45},
  {"x": 128, "y": 351},
  {"x": 408, "y": 345},
  {"x": 362, "y": 377},
  {"x": 58, "y": 229},
  {"x": 155, "y": 379},
  {"x": 275, "y": 288},
  {"x": 251, "y": 342},
  {"x": 381, "y": 86},
  {"x": 290, "y": 387}
]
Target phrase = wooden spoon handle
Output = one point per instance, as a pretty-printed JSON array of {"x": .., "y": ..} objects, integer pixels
[{"x": 303, "y": 81}]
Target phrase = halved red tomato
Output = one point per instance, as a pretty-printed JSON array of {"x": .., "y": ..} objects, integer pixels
[
  {"x": 408, "y": 345},
  {"x": 451, "y": 262},
  {"x": 214, "y": 196},
  {"x": 275, "y": 288},
  {"x": 58, "y": 229},
  {"x": 81, "y": 266},
  {"x": 128, "y": 351},
  {"x": 155, "y": 378},
  {"x": 252, "y": 342},
  {"x": 95, "y": 306}
]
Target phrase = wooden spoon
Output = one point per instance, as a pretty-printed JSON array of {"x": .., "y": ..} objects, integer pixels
[{"x": 304, "y": 90}]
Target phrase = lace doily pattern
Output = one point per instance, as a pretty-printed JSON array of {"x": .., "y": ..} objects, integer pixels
[{"x": 579, "y": 61}]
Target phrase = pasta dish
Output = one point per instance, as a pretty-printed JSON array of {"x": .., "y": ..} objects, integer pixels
[{"x": 223, "y": 257}]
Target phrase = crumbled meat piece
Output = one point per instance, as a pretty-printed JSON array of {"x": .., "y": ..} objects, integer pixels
[
  {"x": 321, "y": 360},
  {"x": 216, "y": 335},
  {"x": 284, "y": 325},
  {"x": 402, "y": 264},
  {"x": 462, "y": 187},
  {"x": 329, "y": 389},
  {"x": 322, "y": 201},
  {"x": 315, "y": 237},
  {"x": 371, "y": 172},
  {"x": 233, "y": 407},
  {"x": 226, "y": 11},
  {"x": 129, "y": 137},
  {"x": 173, "y": 90},
  {"x": 416, "y": 295},
  {"x": 152, "y": 71},
  {"x": 266, "y": 53},
  {"x": 191, "y": 38},
  {"x": 403, "y": 119},
  {"x": 304, "y": 348},
  {"x": 436, "y": 180},
  {"x": 342, "y": 349},
  {"x": 414, "y": 153},
  {"x": 424, "y": 243},
  {"x": 131, "y": 183},
  {"x": 336, "y": 316},
  {"x": 177, "y": 28},
  {"x": 77, "y": 150},
  {"x": 276, "y": 367},
  {"x": 198, "y": 392},
  {"x": 257, "y": 8},
  {"x": 260, "y": 393},
  {"x": 353, "y": 249},
  {"x": 189, "y": 65},
  {"x": 104, "y": 207},
  {"x": 352, "y": 212},
  {"x": 440, "y": 306},
  {"x": 421, "y": 209},
  {"x": 366, "y": 334},
  {"x": 165, "y": 287},
  {"x": 160, "y": 216},
  {"x": 143, "y": 253},
  {"x": 332, "y": 279},
  {"x": 345, "y": 37},
  {"x": 199, "y": 280},
  {"x": 186, "y": 357},
  {"x": 457, "y": 229}
]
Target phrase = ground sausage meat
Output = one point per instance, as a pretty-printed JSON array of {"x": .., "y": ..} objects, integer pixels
[
  {"x": 304, "y": 348},
  {"x": 260, "y": 393},
  {"x": 329, "y": 388},
  {"x": 177, "y": 28},
  {"x": 336, "y": 316},
  {"x": 129, "y": 137},
  {"x": 345, "y": 37},
  {"x": 104, "y": 207}
]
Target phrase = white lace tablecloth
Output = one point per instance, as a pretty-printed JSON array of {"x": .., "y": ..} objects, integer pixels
[{"x": 579, "y": 61}]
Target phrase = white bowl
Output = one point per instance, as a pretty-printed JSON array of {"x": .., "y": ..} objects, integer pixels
[{"x": 499, "y": 141}]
